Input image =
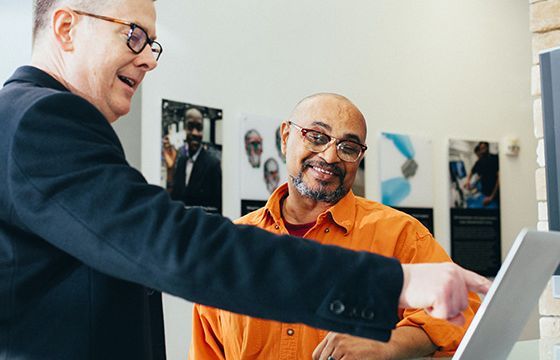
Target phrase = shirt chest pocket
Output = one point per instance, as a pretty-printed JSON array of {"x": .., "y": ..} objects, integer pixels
[{"x": 243, "y": 336}]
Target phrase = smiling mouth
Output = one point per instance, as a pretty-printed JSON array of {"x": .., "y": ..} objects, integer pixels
[
  {"x": 127, "y": 81},
  {"x": 322, "y": 171}
]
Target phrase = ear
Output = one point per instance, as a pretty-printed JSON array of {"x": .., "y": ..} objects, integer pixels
[
  {"x": 63, "y": 22},
  {"x": 284, "y": 132}
]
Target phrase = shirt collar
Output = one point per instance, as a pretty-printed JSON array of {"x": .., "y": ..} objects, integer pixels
[
  {"x": 343, "y": 213},
  {"x": 37, "y": 76},
  {"x": 193, "y": 158}
]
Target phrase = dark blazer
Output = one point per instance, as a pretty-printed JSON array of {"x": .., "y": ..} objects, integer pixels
[
  {"x": 83, "y": 238},
  {"x": 205, "y": 183}
]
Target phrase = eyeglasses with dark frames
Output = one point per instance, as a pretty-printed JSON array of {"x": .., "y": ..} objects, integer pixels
[
  {"x": 316, "y": 141},
  {"x": 137, "y": 37}
]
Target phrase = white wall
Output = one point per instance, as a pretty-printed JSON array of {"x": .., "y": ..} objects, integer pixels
[
  {"x": 129, "y": 130},
  {"x": 15, "y": 32},
  {"x": 437, "y": 68}
]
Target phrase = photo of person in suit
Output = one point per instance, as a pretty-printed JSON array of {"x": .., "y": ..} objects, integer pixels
[{"x": 196, "y": 173}]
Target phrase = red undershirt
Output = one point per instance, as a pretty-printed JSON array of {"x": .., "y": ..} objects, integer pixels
[{"x": 298, "y": 229}]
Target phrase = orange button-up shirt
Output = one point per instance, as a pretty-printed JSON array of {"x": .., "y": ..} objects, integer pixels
[{"x": 353, "y": 223}]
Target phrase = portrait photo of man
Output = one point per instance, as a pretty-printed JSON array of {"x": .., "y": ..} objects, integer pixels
[{"x": 191, "y": 154}]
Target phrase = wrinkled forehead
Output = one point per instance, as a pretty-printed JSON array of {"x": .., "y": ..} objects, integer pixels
[{"x": 331, "y": 114}]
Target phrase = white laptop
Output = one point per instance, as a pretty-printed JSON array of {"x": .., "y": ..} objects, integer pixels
[{"x": 516, "y": 289}]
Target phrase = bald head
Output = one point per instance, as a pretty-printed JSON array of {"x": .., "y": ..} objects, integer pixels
[
  {"x": 193, "y": 114},
  {"x": 337, "y": 106}
]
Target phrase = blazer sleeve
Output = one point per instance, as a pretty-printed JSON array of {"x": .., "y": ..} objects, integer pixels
[
  {"x": 216, "y": 185},
  {"x": 72, "y": 187}
]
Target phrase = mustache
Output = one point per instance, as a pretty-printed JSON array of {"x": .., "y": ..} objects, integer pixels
[
  {"x": 194, "y": 137},
  {"x": 325, "y": 165}
]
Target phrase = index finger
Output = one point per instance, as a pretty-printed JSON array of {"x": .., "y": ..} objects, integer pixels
[{"x": 475, "y": 282}]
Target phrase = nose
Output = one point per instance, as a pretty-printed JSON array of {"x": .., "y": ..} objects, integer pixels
[
  {"x": 329, "y": 154},
  {"x": 196, "y": 132},
  {"x": 146, "y": 59}
]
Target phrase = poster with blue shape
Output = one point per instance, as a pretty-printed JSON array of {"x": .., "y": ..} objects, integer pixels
[{"x": 406, "y": 175}]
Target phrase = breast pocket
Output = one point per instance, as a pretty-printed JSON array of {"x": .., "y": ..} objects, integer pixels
[{"x": 243, "y": 336}]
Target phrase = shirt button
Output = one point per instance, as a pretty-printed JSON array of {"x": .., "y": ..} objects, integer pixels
[
  {"x": 290, "y": 332},
  {"x": 337, "y": 307},
  {"x": 276, "y": 227},
  {"x": 327, "y": 230}
]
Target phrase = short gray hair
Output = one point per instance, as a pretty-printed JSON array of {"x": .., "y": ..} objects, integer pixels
[{"x": 42, "y": 10}]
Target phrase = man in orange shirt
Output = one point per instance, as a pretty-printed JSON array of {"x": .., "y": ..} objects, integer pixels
[{"x": 317, "y": 204}]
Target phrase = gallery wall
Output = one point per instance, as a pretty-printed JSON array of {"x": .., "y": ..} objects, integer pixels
[{"x": 438, "y": 69}]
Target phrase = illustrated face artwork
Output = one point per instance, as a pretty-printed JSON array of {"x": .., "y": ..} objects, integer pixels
[
  {"x": 253, "y": 147},
  {"x": 271, "y": 174},
  {"x": 278, "y": 138}
]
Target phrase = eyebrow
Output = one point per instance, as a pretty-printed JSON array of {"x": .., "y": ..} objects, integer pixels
[
  {"x": 153, "y": 38},
  {"x": 138, "y": 24},
  {"x": 347, "y": 136}
]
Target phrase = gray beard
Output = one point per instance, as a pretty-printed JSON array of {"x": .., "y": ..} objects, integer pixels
[{"x": 318, "y": 195}]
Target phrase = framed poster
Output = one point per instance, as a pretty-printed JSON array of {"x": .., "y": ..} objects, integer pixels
[
  {"x": 474, "y": 201},
  {"x": 406, "y": 175},
  {"x": 262, "y": 165},
  {"x": 191, "y": 154}
]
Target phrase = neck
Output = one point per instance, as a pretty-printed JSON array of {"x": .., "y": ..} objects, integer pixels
[
  {"x": 54, "y": 65},
  {"x": 44, "y": 63},
  {"x": 298, "y": 209}
]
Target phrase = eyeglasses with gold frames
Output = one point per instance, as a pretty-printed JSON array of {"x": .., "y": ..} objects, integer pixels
[
  {"x": 316, "y": 141},
  {"x": 137, "y": 37}
]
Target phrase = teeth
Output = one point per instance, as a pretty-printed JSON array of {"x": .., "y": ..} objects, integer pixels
[
  {"x": 128, "y": 81},
  {"x": 323, "y": 171}
]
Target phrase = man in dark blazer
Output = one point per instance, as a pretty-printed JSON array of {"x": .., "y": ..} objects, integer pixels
[
  {"x": 84, "y": 238},
  {"x": 197, "y": 178}
]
